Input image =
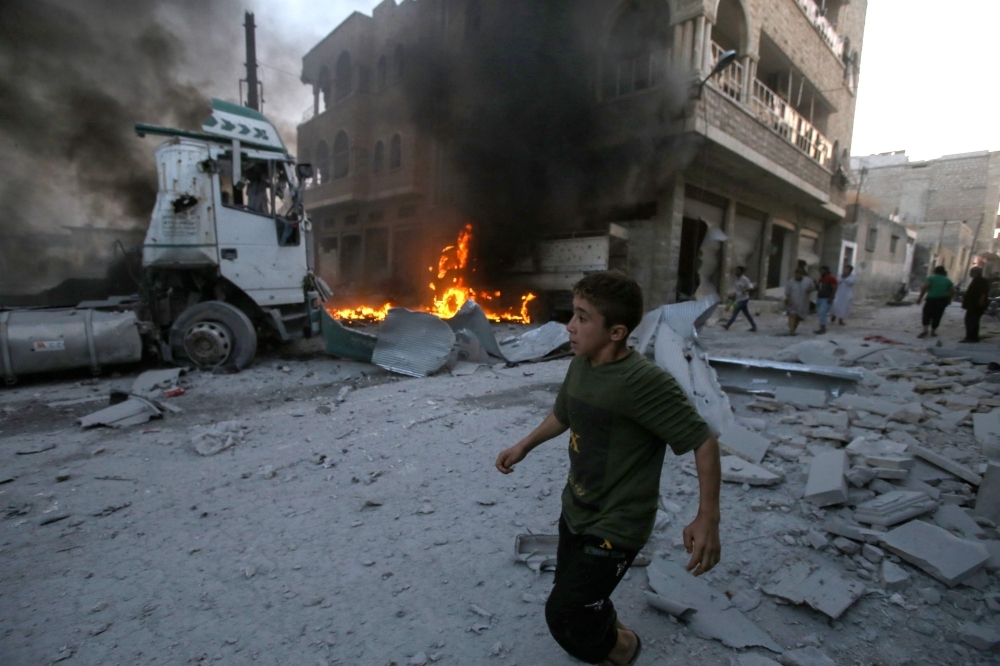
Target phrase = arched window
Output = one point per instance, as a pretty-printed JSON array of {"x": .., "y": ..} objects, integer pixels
[
  {"x": 322, "y": 173},
  {"x": 396, "y": 152},
  {"x": 637, "y": 48},
  {"x": 383, "y": 70},
  {"x": 323, "y": 83},
  {"x": 378, "y": 160},
  {"x": 344, "y": 77},
  {"x": 399, "y": 61},
  {"x": 341, "y": 156}
]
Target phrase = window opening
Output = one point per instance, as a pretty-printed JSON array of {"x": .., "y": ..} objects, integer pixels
[
  {"x": 322, "y": 163},
  {"x": 341, "y": 156},
  {"x": 343, "y": 83},
  {"x": 396, "y": 152}
]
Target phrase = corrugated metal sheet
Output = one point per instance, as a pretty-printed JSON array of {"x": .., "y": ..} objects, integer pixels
[
  {"x": 472, "y": 318},
  {"x": 537, "y": 343},
  {"x": 413, "y": 343}
]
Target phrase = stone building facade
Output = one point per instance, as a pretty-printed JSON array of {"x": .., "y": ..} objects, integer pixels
[
  {"x": 953, "y": 201},
  {"x": 881, "y": 249},
  {"x": 763, "y": 186}
]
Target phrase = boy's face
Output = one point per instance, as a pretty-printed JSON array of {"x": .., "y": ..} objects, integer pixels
[{"x": 587, "y": 334}]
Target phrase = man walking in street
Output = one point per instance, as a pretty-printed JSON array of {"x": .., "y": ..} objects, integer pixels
[
  {"x": 622, "y": 411},
  {"x": 824, "y": 296},
  {"x": 845, "y": 295},
  {"x": 741, "y": 292},
  {"x": 939, "y": 291},
  {"x": 974, "y": 303},
  {"x": 797, "y": 298}
]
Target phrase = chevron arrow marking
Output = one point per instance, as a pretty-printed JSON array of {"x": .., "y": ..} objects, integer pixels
[
  {"x": 227, "y": 126},
  {"x": 244, "y": 129}
]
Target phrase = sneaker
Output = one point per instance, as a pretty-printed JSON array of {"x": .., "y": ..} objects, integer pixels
[
  {"x": 753, "y": 330},
  {"x": 923, "y": 334}
]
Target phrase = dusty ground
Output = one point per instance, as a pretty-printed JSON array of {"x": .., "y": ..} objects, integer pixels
[{"x": 364, "y": 532}]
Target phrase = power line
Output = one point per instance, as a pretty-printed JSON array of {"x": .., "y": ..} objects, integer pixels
[{"x": 282, "y": 71}]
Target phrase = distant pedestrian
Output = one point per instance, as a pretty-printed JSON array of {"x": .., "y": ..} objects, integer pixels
[
  {"x": 741, "y": 292},
  {"x": 844, "y": 297},
  {"x": 797, "y": 298},
  {"x": 974, "y": 303},
  {"x": 824, "y": 296},
  {"x": 939, "y": 291}
]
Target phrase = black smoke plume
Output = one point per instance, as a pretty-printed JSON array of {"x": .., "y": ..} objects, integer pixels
[{"x": 516, "y": 106}]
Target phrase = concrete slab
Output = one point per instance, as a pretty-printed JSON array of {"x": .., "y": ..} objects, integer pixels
[
  {"x": 890, "y": 473},
  {"x": 807, "y": 656},
  {"x": 715, "y": 617},
  {"x": 860, "y": 476},
  {"x": 751, "y": 659},
  {"x": 894, "y": 577},
  {"x": 960, "y": 402},
  {"x": 827, "y": 484},
  {"x": 938, "y": 552},
  {"x": 737, "y": 470},
  {"x": 986, "y": 428},
  {"x": 820, "y": 588},
  {"x": 993, "y": 548},
  {"x": 956, "y": 520},
  {"x": 743, "y": 442},
  {"x": 946, "y": 464},
  {"x": 856, "y": 532},
  {"x": 839, "y": 436},
  {"x": 894, "y": 507},
  {"x": 863, "y": 446},
  {"x": 988, "y": 497},
  {"x": 866, "y": 404},
  {"x": 891, "y": 461},
  {"x": 800, "y": 397},
  {"x": 980, "y": 636},
  {"x": 837, "y": 420},
  {"x": 913, "y": 483},
  {"x": 911, "y": 413}
]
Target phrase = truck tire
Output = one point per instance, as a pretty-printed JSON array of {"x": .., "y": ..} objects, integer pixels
[{"x": 214, "y": 334}]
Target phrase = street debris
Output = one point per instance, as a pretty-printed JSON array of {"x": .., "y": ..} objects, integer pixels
[
  {"x": 707, "y": 612},
  {"x": 413, "y": 343},
  {"x": 132, "y": 411},
  {"x": 219, "y": 437},
  {"x": 938, "y": 552},
  {"x": 152, "y": 382},
  {"x": 537, "y": 343}
]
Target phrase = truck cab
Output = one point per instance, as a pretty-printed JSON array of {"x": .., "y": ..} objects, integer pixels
[{"x": 226, "y": 257}]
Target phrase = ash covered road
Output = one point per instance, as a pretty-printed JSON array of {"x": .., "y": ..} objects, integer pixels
[{"x": 376, "y": 530}]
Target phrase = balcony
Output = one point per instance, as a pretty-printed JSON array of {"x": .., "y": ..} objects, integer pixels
[
  {"x": 773, "y": 111},
  {"x": 826, "y": 31}
]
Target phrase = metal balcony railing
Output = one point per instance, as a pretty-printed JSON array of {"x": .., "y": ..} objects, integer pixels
[
  {"x": 789, "y": 123},
  {"x": 729, "y": 80},
  {"x": 823, "y": 27}
]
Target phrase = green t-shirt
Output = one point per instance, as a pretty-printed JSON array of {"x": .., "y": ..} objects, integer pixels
[
  {"x": 938, "y": 286},
  {"x": 620, "y": 415}
]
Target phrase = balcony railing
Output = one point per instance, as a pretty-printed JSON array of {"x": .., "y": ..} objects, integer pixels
[
  {"x": 729, "y": 80},
  {"x": 789, "y": 123},
  {"x": 823, "y": 27}
]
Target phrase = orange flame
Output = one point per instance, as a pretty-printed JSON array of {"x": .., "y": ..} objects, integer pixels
[{"x": 449, "y": 291}]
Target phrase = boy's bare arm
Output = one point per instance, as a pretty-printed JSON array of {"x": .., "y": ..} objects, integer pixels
[
  {"x": 549, "y": 428},
  {"x": 701, "y": 537}
]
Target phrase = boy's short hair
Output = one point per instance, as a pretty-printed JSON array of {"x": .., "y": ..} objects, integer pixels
[
  {"x": 615, "y": 295},
  {"x": 940, "y": 270}
]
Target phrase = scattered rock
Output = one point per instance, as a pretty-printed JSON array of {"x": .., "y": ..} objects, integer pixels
[
  {"x": 894, "y": 577},
  {"x": 979, "y": 636},
  {"x": 941, "y": 554}
]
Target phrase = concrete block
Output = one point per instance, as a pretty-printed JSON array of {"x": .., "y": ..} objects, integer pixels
[
  {"x": 890, "y": 473},
  {"x": 956, "y": 520},
  {"x": 837, "y": 420},
  {"x": 952, "y": 419},
  {"x": 894, "y": 577},
  {"x": 862, "y": 446},
  {"x": 807, "y": 656},
  {"x": 800, "y": 397},
  {"x": 946, "y": 464},
  {"x": 938, "y": 552},
  {"x": 960, "y": 402},
  {"x": 913, "y": 483},
  {"x": 822, "y": 589},
  {"x": 988, "y": 497},
  {"x": 891, "y": 461},
  {"x": 894, "y": 507},
  {"x": 827, "y": 484},
  {"x": 986, "y": 428},
  {"x": 816, "y": 539},
  {"x": 993, "y": 548},
  {"x": 846, "y": 546},
  {"x": 839, "y": 436},
  {"x": 866, "y": 404},
  {"x": 856, "y": 532},
  {"x": 979, "y": 580},
  {"x": 737, "y": 470},
  {"x": 860, "y": 476},
  {"x": 911, "y": 413},
  {"x": 743, "y": 442},
  {"x": 873, "y": 554},
  {"x": 979, "y": 636}
]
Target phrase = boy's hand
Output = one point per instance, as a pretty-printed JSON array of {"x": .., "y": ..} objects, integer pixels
[
  {"x": 701, "y": 539},
  {"x": 510, "y": 457}
]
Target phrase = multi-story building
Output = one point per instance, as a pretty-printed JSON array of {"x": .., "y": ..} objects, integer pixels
[
  {"x": 765, "y": 169},
  {"x": 882, "y": 250},
  {"x": 953, "y": 202}
]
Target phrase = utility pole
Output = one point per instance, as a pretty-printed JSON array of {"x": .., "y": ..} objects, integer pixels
[{"x": 253, "y": 101}]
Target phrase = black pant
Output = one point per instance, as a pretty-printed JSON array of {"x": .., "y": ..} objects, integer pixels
[
  {"x": 579, "y": 611},
  {"x": 972, "y": 317},
  {"x": 933, "y": 310}
]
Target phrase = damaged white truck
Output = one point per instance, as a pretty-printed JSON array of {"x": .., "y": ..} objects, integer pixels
[{"x": 225, "y": 262}]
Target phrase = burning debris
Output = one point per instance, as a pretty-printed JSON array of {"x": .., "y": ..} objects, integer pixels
[{"x": 449, "y": 289}]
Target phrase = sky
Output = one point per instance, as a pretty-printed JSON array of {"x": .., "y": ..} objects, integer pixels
[{"x": 927, "y": 81}]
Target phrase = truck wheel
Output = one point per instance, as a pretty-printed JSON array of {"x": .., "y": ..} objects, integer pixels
[{"x": 213, "y": 334}]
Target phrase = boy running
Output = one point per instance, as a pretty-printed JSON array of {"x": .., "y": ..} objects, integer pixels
[{"x": 621, "y": 410}]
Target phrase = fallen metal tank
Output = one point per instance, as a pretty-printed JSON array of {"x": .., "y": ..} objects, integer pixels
[{"x": 45, "y": 340}]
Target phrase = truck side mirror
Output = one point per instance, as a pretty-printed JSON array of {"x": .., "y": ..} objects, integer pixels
[{"x": 303, "y": 171}]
